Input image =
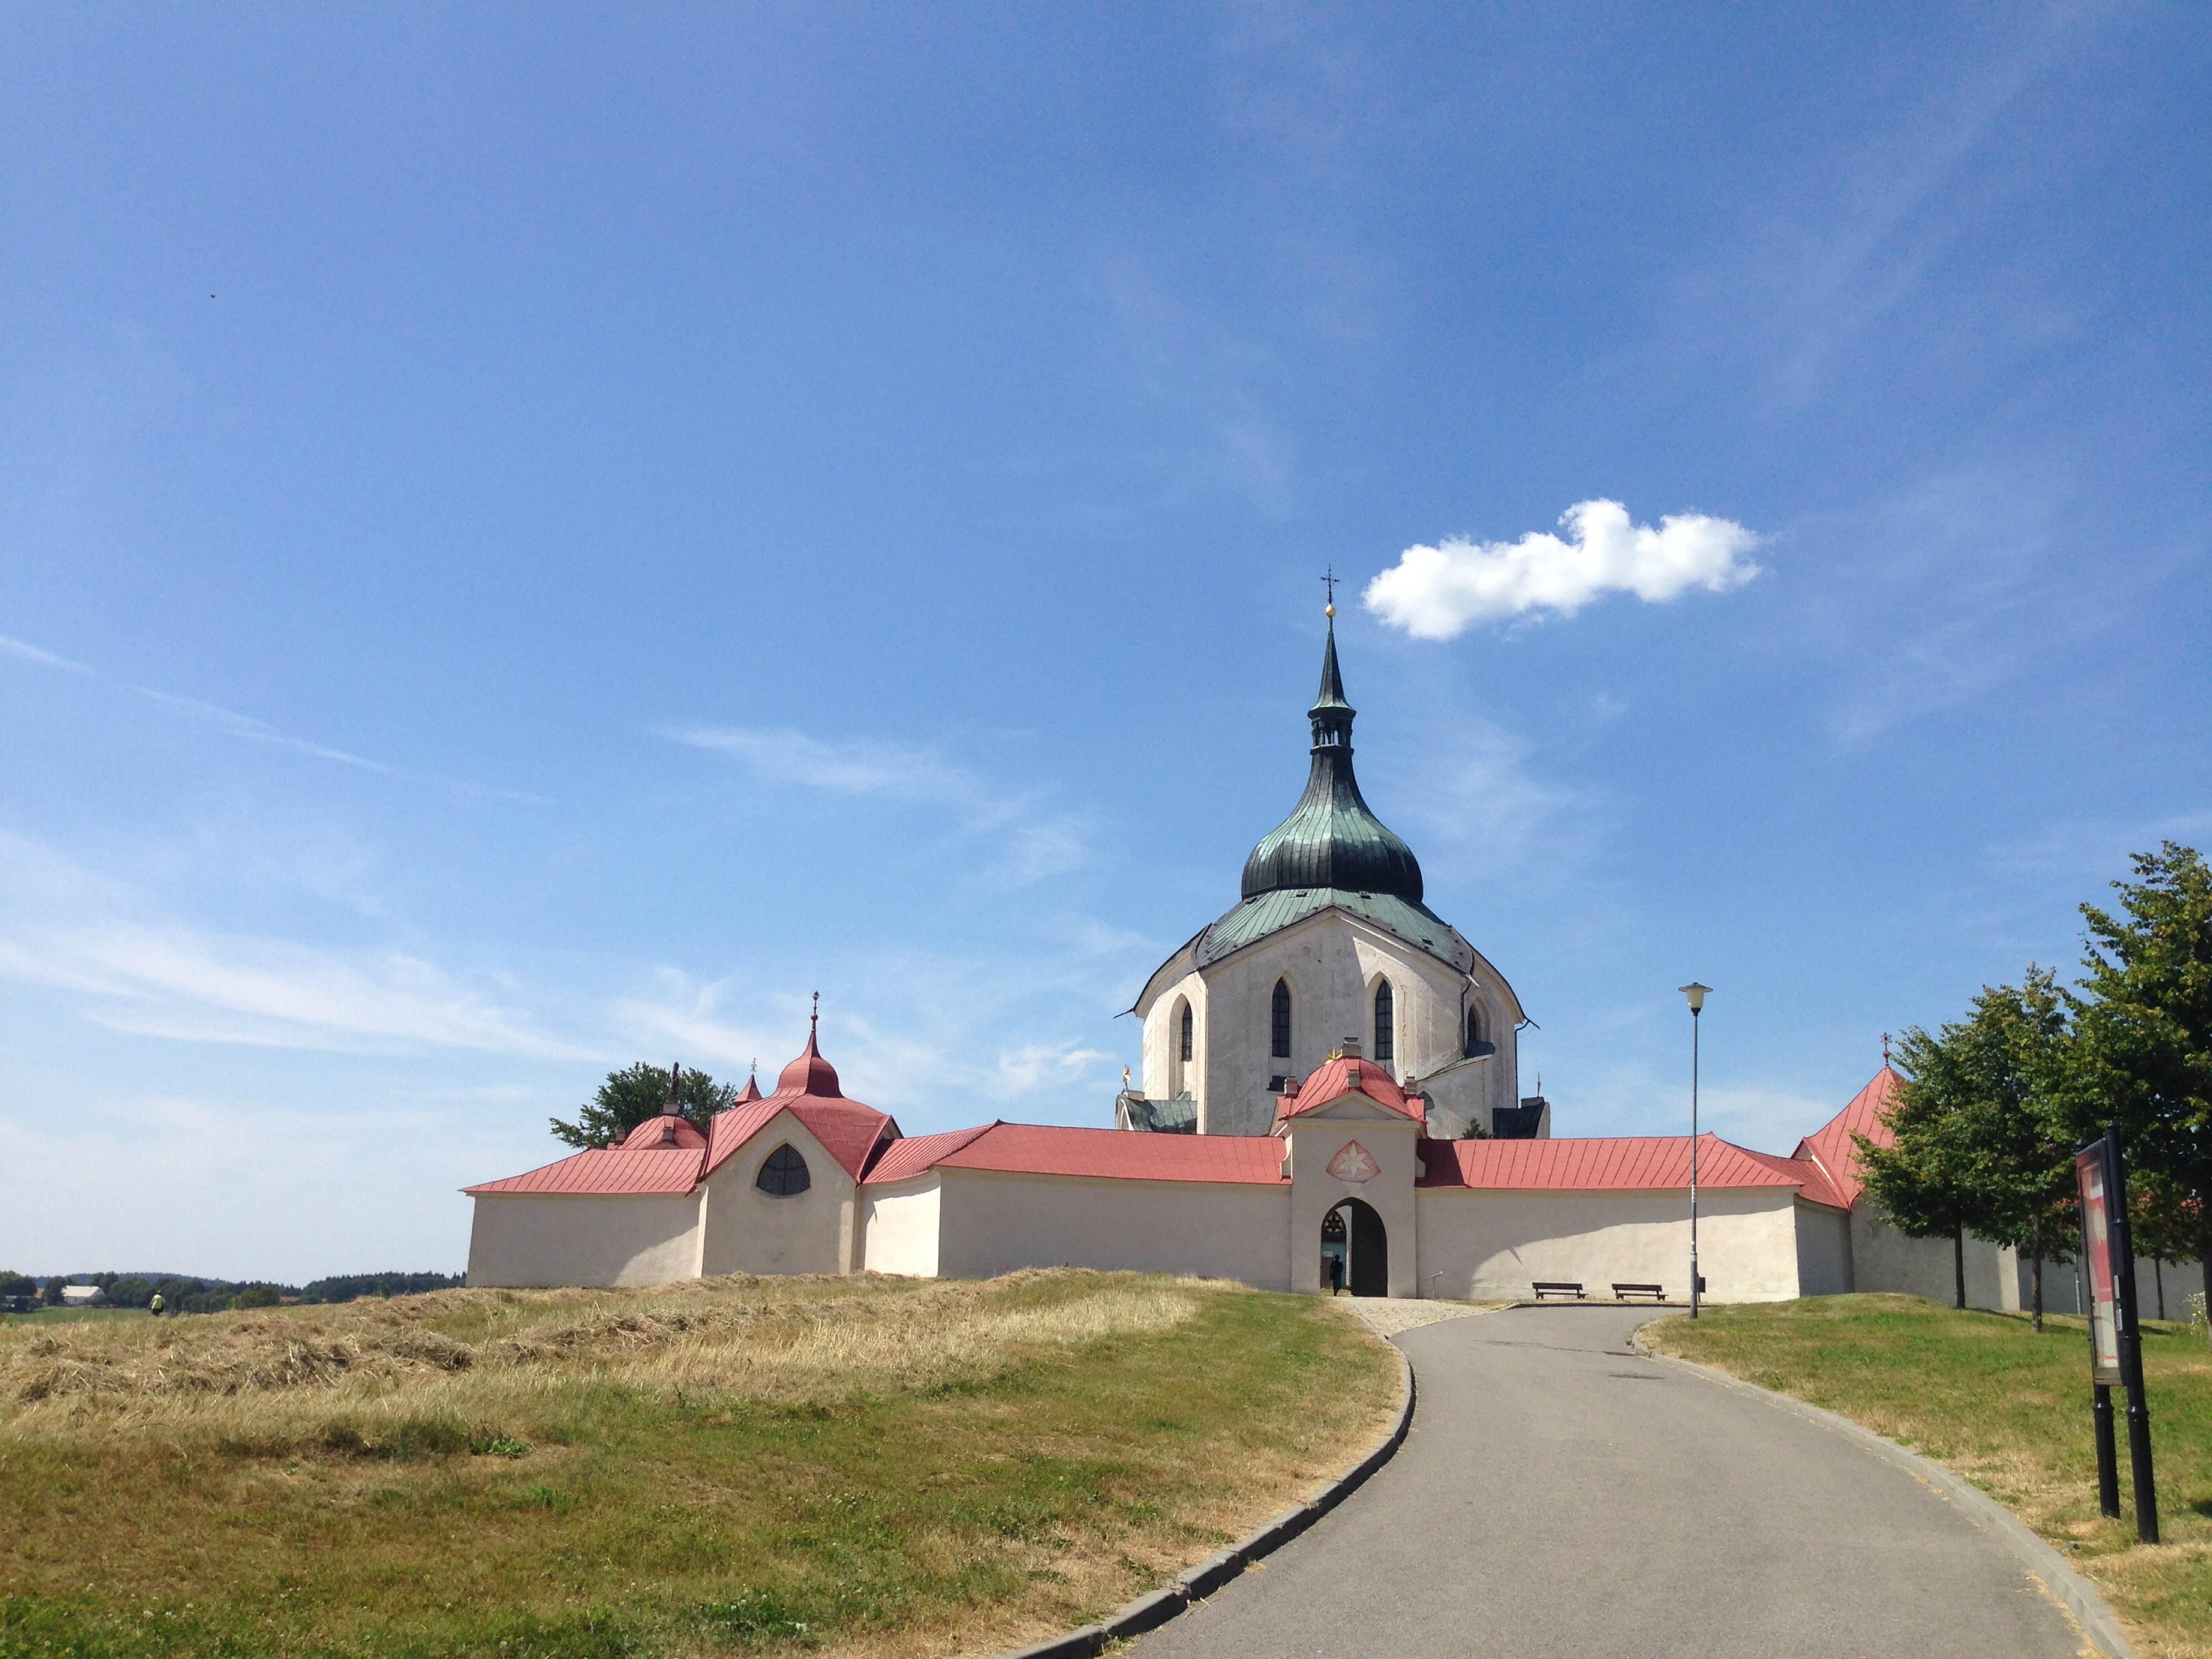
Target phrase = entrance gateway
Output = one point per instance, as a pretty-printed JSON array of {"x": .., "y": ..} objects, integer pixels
[{"x": 1353, "y": 1235}]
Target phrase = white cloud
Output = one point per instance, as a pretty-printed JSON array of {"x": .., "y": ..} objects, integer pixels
[{"x": 1437, "y": 592}]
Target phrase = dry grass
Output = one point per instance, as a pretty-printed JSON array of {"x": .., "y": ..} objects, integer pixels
[
  {"x": 857, "y": 1466},
  {"x": 2009, "y": 1410}
]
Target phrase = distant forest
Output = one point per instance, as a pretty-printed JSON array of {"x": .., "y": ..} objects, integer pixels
[{"x": 190, "y": 1293}]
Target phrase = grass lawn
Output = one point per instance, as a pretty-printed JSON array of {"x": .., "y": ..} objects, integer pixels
[
  {"x": 853, "y": 1466},
  {"x": 2009, "y": 1410}
]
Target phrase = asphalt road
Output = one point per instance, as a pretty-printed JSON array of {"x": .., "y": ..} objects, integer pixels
[{"x": 1561, "y": 1495}]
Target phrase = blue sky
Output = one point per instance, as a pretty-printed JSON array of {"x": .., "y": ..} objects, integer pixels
[{"x": 533, "y": 538}]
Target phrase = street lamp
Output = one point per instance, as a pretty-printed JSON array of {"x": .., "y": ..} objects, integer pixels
[{"x": 1697, "y": 993}]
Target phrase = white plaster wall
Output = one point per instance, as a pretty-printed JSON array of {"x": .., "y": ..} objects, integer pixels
[
  {"x": 1488, "y": 1244},
  {"x": 744, "y": 1230},
  {"x": 992, "y": 1223},
  {"x": 899, "y": 1227},
  {"x": 1332, "y": 963},
  {"x": 1162, "y": 1043},
  {"x": 2183, "y": 1280},
  {"x": 530, "y": 1239},
  {"x": 2016, "y": 1284},
  {"x": 1884, "y": 1259},
  {"x": 1314, "y": 1142},
  {"x": 1824, "y": 1250}
]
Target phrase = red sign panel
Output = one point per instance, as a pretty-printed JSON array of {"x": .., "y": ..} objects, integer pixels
[{"x": 2091, "y": 1170}]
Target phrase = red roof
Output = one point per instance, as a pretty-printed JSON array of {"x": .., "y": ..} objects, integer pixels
[
  {"x": 668, "y": 1129},
  {"x": 810, "y": 1074},
  {"x": 1615, "y": 1163},
  {"x": 1110, "y": 1154},
  {"x": 918, "y": 1154},
  {"x": 1348, "y": 1075},
  {"x": 608, "y": 1171},
  {"x": 1830, "y": 1145},
  {"x": 847, "y": 1130}
]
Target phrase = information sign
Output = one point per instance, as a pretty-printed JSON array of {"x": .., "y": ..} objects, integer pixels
[{"x": 2090, "y": 1168}]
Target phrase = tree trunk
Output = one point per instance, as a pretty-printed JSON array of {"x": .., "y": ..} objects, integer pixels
[
  {"x": 2158, "y": 1273},
  {"x": 2036, "y": 1272},
  {"x": 1959, "y": 1263}
]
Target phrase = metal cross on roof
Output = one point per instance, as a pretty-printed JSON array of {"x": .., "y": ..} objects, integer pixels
[
  {"x": 1329, "y": 580},
  {"x": 814, "y": 1019},
  {"x": 1885, "y": 1048}
]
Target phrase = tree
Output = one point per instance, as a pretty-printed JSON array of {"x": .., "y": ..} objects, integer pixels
[
  {"x": 2147, "y": 1034},
  {"x": 51, "y": 1295},
  {"x": 2022, "y": 1121},
  {"x": 637, "y": 1092},
  {"x": 15, "y": 1283},
  {"x": 1922, "y": 1179}
]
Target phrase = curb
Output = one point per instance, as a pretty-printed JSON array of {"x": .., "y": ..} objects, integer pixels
[
  {"x": 2090, "y": 1612},
  {"x": 1151, "y": 1611}
]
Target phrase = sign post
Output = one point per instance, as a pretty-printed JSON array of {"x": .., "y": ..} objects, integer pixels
[{"x": 2115, "y": 1343}]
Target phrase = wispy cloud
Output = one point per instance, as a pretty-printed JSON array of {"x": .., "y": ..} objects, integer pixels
[
  {"x": 43, "y": 658},
  {"x": 135, "y": 968},
  {"x": 1034, "y": 843},
  {"x": 1437, "y": 592},
  {"x": 251, "y": 729}
]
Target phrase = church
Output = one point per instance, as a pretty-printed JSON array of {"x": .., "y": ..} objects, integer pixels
[{"x": 1330, "y": 1096}]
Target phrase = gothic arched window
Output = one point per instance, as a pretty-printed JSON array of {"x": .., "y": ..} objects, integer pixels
[
  {"x": 1187, "y": 1024},
  {"x": 1386, "y": 1035},
  {"x": 783, "y": 1174},
  {"x": 1282, "y": 1020},
  {"x": 1478, "y": 1037}
]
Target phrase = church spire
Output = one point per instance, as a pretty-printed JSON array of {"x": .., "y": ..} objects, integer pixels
[{"x": 1332, "y": 839}]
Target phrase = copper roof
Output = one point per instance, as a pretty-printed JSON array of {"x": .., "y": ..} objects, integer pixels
[
  {"x": 1107, "y": 1154},
  {"x": 1615, "y": 1164},
  {"x": 1830, "y": 1145},
  {"x": 607, "y": 1171},
  {"x": 1348, "y": 1074},
  {"x": 668, "y": 1129}
]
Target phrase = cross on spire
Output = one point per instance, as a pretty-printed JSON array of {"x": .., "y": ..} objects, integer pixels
[
  {"x": 1885, "y": 1048},
  {"x": 1329, "y": 580},
  {"x": 814, "y": 1020}
]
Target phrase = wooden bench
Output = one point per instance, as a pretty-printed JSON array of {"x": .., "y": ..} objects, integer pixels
[
  {"x": 1625, "y": 1292},
  {"x": 1546, "y": 1289}
]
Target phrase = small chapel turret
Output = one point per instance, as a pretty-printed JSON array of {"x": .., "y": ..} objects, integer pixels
[{"x": 1330, "y": 944}]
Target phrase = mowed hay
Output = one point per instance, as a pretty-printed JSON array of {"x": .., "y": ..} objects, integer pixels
[
  {"x": 854, "y": 1466},
  {"x": 270, "y": 1379}
]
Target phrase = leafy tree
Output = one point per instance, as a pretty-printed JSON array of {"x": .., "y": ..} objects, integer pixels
[
  {"x": 637, "y": 1092},
  {"x": 2147, "y": 1036},
  {"x": 15, "y": 1283},
  {"x": 51, "y": 1295},
  {"x": 256, "y": 1295},
  {"x": 1923, "y": 1180},
  {"x": 2022, "y": 1120}
]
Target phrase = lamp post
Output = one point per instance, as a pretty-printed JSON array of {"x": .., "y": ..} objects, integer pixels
[{"x": 1697, "y": 993}]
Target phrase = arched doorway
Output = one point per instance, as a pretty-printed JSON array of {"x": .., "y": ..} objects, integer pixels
[{"x": 1353, "y": 1233}]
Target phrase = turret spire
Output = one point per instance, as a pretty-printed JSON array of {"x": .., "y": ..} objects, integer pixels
[{"x": 1332, "y": 839}]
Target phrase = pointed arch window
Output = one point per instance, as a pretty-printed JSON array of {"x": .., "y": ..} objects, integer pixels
[
  {"x": 1281, "y": 1020},
  {"x": 1478, "y": 1033},
  {"x": 1188, "y": 1023},
  {"x": 1386, "y": 1034},
  {"x": 783, "y": 1173}
]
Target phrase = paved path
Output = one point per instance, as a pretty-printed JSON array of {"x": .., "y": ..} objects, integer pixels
[{"x": 1560, "y": 1495}]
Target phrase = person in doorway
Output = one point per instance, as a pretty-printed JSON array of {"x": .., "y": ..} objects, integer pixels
[{"x": 1336, "y": 1275}]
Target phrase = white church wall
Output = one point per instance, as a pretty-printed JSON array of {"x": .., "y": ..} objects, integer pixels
[
  {"x": 1486, "y": 1244},
  {"x": 1824, "y": 1250},
  {"x": 1332, "y": 964},
  {"x": 529, "y": 1239},
  {"x": 899, "y": 1227},
  {"x": 1884, "y": 1259},
  {"x": 1166, "y": 1074},
  {"x": 745, "y": 1229},
  {"x": 992, "y": 1223}
]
